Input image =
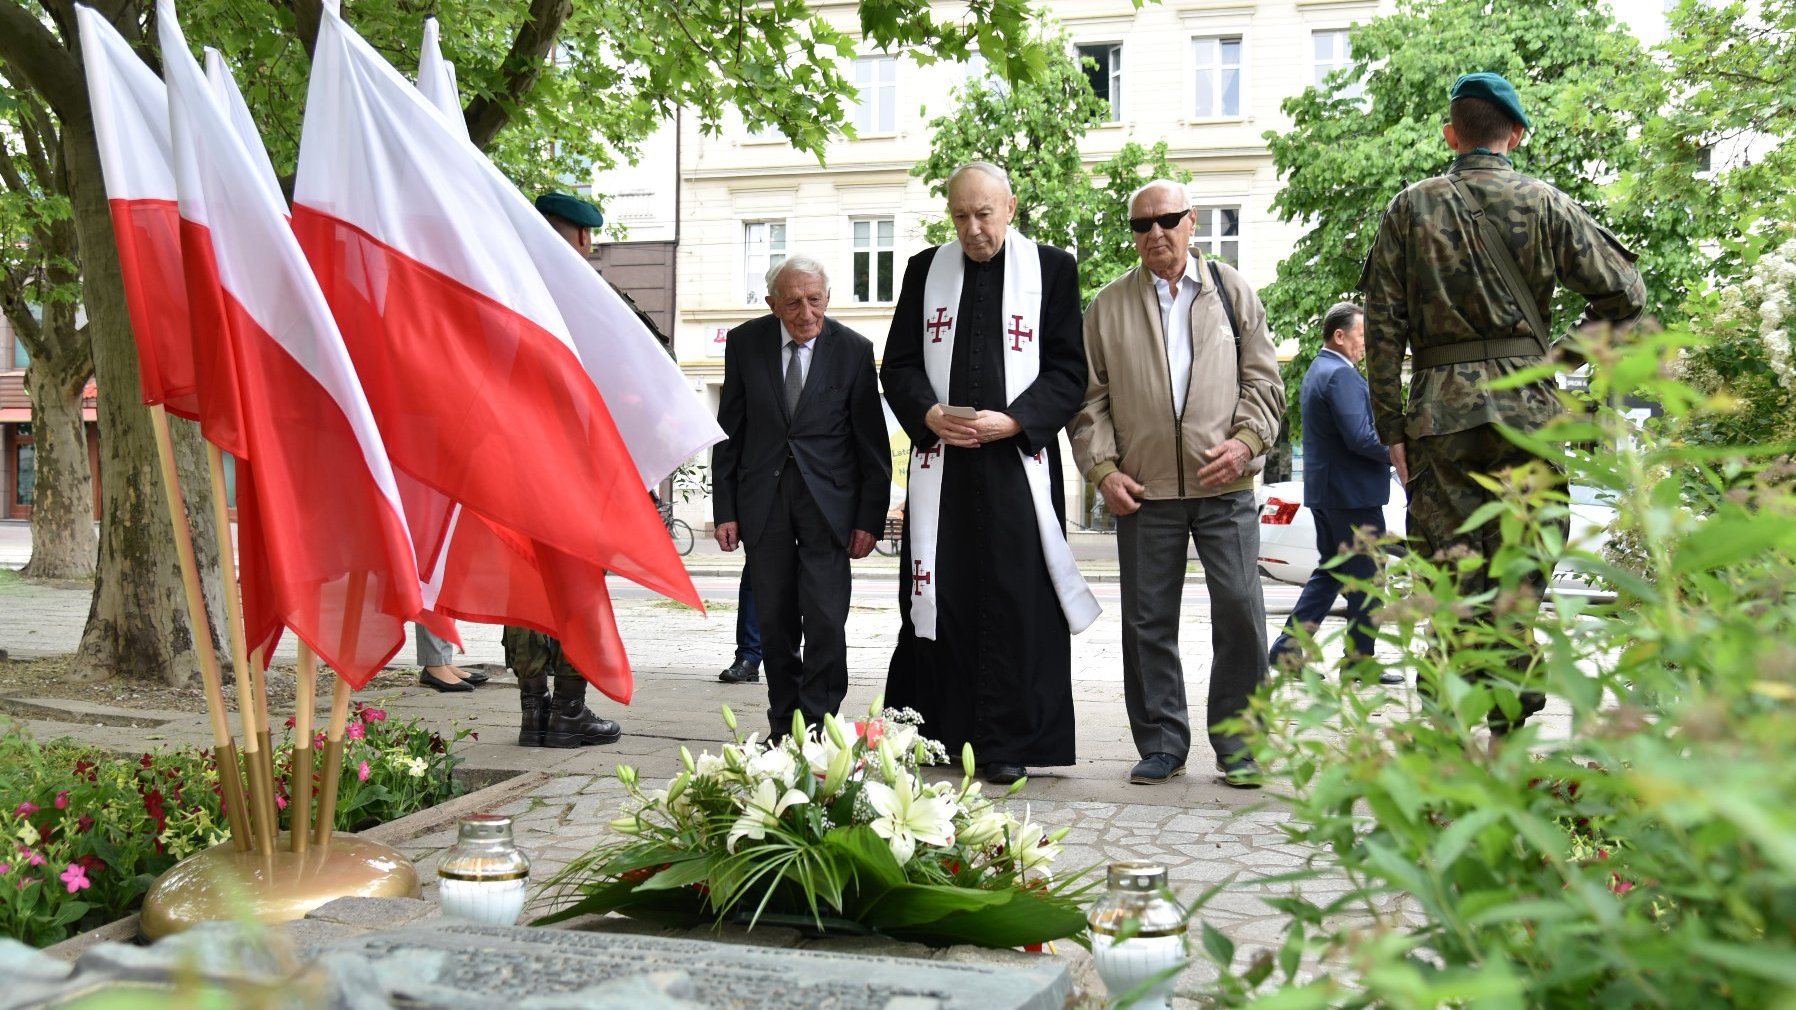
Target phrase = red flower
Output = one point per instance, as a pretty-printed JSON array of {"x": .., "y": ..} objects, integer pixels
[
  {"x": 25, "y": 809},
  {"x": 146, "y": 761},
  {"x": 355, "y": 731},
  {"x": 374, "y": 715},
  {"x": 92, "y": 863},
  {"x": 292, "y": 721},
  {"x": 62, "y": 800},
  {"x": 1618, "y": 885},
  {"x": 84, "y": 824}
]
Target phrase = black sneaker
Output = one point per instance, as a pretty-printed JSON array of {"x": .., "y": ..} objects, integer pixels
[
  {"x": 1156, "y": 768},
  {"x": 1239, "y": 770}
]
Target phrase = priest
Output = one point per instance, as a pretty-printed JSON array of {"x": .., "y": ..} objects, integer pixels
[{"x": 985, "y": 364}]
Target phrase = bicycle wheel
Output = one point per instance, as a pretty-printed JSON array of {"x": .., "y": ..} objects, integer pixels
[{"x": 682, "y": 535}]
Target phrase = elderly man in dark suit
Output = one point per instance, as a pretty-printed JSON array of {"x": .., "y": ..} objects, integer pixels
[
  {"x": 801, "y": 482},
  {"x": 1346, "y": 483}
]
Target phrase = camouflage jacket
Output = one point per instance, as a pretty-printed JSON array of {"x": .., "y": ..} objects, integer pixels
[{"x": 1427, "y": 283}]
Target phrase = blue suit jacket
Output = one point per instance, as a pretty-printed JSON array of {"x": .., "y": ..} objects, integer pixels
[{"x": 1344, "y": 464}]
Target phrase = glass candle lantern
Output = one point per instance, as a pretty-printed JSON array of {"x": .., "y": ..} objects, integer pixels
[{"x": 484, "y": 876}]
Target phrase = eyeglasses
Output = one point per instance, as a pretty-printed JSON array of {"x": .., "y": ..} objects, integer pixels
[{"x": 1167, "y": 222}]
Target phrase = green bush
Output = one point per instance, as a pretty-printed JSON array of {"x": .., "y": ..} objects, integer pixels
[
  {"x": 87, "y": 832},
  {"x": 1645, "y": 859}
]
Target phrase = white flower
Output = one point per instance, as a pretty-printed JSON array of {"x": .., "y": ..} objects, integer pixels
[
  {"x": 778, "y": 764},
  {"x": 819, "y": 754},
  {"x": 906, "y": 816},
  {"x": 985, "y": 827},
  {"x": 1028, "y": 844},
  {"x": 710, "y": 764},
  {"x": 761, "y": 811}
]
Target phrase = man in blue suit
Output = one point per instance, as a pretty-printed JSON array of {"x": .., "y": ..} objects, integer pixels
[{"x": 1346, "y": 483}]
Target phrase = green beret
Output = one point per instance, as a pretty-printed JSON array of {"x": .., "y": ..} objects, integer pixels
[
  {"x": 571, "y": 209},
  {"x": 1495, "y": 90}
]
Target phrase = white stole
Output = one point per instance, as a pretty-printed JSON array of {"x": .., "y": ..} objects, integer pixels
[{"x": 1021, "y": 306}]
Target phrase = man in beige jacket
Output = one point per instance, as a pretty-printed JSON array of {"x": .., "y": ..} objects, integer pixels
[{"x": 1184, "y": 397}]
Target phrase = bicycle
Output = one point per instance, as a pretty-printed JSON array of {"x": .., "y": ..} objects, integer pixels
[{"x": 676, "y": 528}]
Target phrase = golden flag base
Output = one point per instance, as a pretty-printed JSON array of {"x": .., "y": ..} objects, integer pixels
[{"x": 223, "y": 883}]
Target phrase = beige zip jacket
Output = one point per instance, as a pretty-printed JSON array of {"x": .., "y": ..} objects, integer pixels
[{"x": 1127, "y": 422}]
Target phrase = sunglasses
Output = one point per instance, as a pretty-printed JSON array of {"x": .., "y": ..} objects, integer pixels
[{"x": 1167, "y": 222}]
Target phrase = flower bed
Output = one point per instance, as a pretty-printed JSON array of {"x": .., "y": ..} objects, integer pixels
[
  {"x": 834, "y": 830},
  {"x": 87, "y": 832}
]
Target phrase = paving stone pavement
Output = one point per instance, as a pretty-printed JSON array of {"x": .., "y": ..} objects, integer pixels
[{"x": 1204, "y": 831}]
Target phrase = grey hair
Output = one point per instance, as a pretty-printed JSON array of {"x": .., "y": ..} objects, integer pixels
[
  {"x": 1153, "y": 184},
  {"x": 1340, "y": 316},
  {"x": 799, "y": 262},
  {"x": 986, "y": 167}
]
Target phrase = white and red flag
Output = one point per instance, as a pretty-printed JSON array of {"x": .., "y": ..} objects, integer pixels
[
  {"x": 337, "y": 552},
  {"x": 436, "y": 80},
  {"x": 131, "y": 124},
  {"x": 490, "y": 384}
]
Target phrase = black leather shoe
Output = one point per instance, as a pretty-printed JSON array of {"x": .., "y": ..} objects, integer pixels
[
  {"x": 474, "y": 677},
  {"x": 741, "y": 672},
  {"x": 1003, "y": 774},
  {"x": 576, "y": 725},
  {"x": 1156, "y": 768},
  {"x": 426, "y": 680},
  {"x": 1239, "y": 770}
]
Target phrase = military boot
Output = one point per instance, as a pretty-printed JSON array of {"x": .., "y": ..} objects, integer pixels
[
  {"x": 571, "y": 723},
  {"x": 533, "y": 698}
]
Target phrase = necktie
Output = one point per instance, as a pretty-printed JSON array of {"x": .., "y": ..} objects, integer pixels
[{"x": 794, "y": 379}]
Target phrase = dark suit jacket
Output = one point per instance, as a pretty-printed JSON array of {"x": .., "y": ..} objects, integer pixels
[
  {"x": 1344, "y": 464},
  {"x": 838, "y": 435}
]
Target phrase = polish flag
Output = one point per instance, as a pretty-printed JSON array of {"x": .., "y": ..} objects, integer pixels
[
  {"x": 436, "y": 81},
  {"x": 458, "y": 304},
  {"x": 131, "y": 125},
  {"x": 338, "y": 554}
]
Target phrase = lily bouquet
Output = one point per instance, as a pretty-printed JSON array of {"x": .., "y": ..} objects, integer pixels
[{"x": 832, "y": 829}]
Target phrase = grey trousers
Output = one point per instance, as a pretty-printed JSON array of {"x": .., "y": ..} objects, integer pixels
[
  {"x": 432, "y": 651},
  {"x": 1151, "y": 548}
]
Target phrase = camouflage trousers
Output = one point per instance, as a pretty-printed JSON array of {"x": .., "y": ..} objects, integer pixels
[
  {"x": 534, "y": 654},
  {"x": 1442, "y": 496}
]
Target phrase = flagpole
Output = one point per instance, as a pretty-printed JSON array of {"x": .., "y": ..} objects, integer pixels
[
  {"x": 333, "y": 765},
  {"x": 229, "y": 773},
  {"x": 255, "y": 723},
  {"x": 299, "y": 787}
]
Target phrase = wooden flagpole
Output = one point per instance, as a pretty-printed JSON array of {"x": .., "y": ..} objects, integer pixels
[
  {"x": 299, "y": 787},
  {"x": 254, "y": 715},
  {"x": 229, "y": 773},
  {"x": 333, "y": 765}
]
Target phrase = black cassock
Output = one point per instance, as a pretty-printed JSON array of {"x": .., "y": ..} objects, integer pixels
[{"x": 999, "y": 672}]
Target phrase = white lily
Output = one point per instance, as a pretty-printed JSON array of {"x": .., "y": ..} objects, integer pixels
[
  {"x": 776, "y": 764},
  {"x": 761, "y": 811},
  {"x": 1029, "y": 845},
  {"x": 710, "y": 764},
  {"x": 908, "y": 816},
  {"x": 984, "y": 826}
]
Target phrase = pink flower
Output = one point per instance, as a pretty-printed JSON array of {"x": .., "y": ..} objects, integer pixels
[
  {"x": 76, "y": 878},
  {"x": 62, "y": 800},
  {"x": 374, "y": 715},
  {"x": 280, "y": 802},
  {"x": 31, "y": 855},
  {"x": 362, "y": 772},
  {"x": 5, "y": 868},
  {"x": 25, "y": 810},
  {"x": 871, "y": 731},
  {"x": 318, "y": 740},
  {"x": 355, "y": 731}
]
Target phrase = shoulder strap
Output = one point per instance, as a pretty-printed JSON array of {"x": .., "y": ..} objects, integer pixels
[
  {"x": 1497, "y": 248},
  {"x": 1228, "y": 304}
]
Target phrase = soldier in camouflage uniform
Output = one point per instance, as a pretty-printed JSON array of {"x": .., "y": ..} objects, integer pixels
[
  {"x": 561, "y": 719},
  {"x": 1432, "y": 290}
]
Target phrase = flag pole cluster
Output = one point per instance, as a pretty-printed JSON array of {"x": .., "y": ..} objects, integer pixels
[{"x": 436, "y": 408}]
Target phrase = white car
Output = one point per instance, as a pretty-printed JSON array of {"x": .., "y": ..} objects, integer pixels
[{"x": 1288, "y": 532}]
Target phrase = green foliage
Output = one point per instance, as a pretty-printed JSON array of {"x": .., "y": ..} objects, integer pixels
[
  {"x": 123, "y": 822},
  {"x": 834, "y": 831},
  {"x": 1748, "y": 361},
  {"x": 1586, "y": 83},
  {"x": 1033, "y": 130},
  {"x": 1643, "y": 858}
]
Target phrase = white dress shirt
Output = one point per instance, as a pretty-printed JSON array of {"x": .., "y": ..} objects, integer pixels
[
  {"x": 804, "y": 352},
  {"x": 1175, "y": 322}
]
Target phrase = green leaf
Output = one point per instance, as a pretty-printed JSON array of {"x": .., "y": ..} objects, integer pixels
[
  {"x": 1773, "y": 961},
  {"x": 1220, "y": 948}
]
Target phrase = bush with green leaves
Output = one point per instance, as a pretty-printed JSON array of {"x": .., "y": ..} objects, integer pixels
[
  {"x": 1646, "y": 857},
  {"x": 84, "y": 833}
]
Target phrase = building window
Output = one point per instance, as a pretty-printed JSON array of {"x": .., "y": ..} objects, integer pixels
[
  {"x": 872, "y": 269},
  {"x": 1330, "y": 52},
  {"x": 25, "y": 468},
  {"x": 1218, "y": 63},
  {"x": 1218, "y": 233},
  {"x": 876, "y": 106},
  {"x": 763, "y": 246},
  {"x": 1103, "y": 68},
  {"x": 21, "y": 358}
]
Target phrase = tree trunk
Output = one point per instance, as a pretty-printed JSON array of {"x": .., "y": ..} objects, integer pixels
[
  {"x": 62, "y": 508},
  {"x": 137, "y": 626}
]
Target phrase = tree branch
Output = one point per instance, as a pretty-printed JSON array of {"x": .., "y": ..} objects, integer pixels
[
  {"x": 43, "y": 62},
  {"x": 523, "y": 65}
]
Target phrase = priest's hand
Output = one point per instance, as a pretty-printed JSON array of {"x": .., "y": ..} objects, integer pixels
[
  {"x": 1120, "y": 491},
  {"x": 726, "y": 534},
  {"x": 995, "y": 426},
  {"x": 956, "y": 431},
  {"x": 1227, "y": 462},
  {"x": 860, "y": 544}
]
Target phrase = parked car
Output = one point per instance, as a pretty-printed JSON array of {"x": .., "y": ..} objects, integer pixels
[{"x": 1288, "y": 533}]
